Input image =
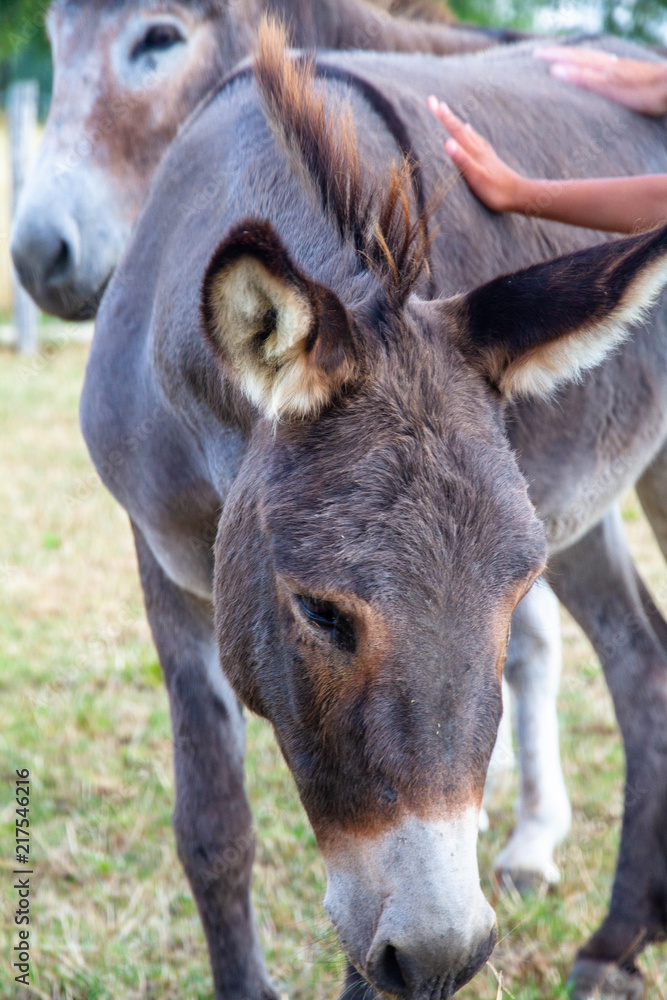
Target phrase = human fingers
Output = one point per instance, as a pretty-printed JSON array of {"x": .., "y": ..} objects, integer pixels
[
  {"x": 583, "y": 76},
  {"x": 463, "y": 132},
  {"x": 461, "y": 158},
  {"x": 574, "y": 56},
  {"x": 491, "y": 180}
]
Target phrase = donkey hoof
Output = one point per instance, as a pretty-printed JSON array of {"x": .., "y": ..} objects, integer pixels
[
  {"x": 590, "y": 980},
  {"x": 527, "y": 862},
  {"x": 523, "y": 883}
]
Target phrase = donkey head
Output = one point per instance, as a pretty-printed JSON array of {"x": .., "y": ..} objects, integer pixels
[
  {"x": 126, "y": 76},
  {"x": 379, "y": 534}
]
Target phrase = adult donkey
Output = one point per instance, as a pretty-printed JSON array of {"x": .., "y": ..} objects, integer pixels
[
  {"x": 126, "y": 76},
  {"x": 351, "y": 446}
]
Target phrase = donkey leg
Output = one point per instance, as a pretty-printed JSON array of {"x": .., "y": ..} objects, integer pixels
[
  {"x": 212, "y": 819},
  {"x": 596, "y": 579},
  {"x": 502, "y": 759},
  {"x": 533, "y": 671},
  {"x": 652, "y": 492}
]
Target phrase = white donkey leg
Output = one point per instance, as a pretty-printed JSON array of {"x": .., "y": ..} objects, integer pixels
[
  {"x": 533, "y": 671},
  {"x": 502, "y": 759}
]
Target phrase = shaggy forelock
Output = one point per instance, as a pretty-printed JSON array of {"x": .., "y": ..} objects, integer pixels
[{"x": 376, "y": 217}]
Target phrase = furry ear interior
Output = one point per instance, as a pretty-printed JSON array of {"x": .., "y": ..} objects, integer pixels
[
  {"x": 287, "y": 341},
  {"x": 532, "y": 330}
]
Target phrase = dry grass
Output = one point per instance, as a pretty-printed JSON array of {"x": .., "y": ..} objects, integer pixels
[{"x": 85, "y": 710}]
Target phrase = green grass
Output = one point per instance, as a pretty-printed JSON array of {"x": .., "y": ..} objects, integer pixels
[{"x": 84, "y": 708}]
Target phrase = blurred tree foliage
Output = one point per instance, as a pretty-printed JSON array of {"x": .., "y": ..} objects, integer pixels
[
  {"x": 24, "y": 47},
  {"x": 642, "y": 20},
  {"x": 22, "y": 26}
]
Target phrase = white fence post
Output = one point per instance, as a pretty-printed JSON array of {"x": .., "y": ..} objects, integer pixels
[{"x": 22, "y": 103}]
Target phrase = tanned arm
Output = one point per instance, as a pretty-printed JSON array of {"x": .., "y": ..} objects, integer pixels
[{"x": 614, "y": 204}]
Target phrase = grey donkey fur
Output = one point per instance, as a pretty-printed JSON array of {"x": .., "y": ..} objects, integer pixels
[{"x": 578, "y": 452}]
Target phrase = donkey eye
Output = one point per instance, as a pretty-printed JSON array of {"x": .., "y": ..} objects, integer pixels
[
  {"x": 327, "y": 617},
  {"x": 158, "y": 38}
]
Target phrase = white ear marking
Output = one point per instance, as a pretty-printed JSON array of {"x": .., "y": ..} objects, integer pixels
[
  {"x": 540, "y": 371},
  {"x": 262, "y": 324}
]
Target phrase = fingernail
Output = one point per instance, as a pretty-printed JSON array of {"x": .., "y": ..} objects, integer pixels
[
  {"x": 433, "y": 103},
  {"x": 561, "y": 71},
  {"x": 451, "y": 146}
]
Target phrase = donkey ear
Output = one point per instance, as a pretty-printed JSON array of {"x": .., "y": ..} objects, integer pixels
[
  {"x": 531, "y": 330},
  {"x": 285, "y": 340}
]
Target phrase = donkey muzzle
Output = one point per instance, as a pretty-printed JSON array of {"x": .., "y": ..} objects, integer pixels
[
  {"x": 408, "y": 906},
  {"x": 66, "y": 240}
]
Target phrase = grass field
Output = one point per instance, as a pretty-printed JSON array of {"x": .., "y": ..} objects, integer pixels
[{"x": 84, "y": 708}]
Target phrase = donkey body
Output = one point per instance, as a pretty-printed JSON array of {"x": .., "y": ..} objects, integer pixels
[
  {"x": 126, "y": 77},
  {"x": 374, "y": 542},
  {"x": 127, "y": 74}
]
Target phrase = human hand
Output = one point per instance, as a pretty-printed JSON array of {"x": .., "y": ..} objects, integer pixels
[
  {"x": 635, "y": 83},
  {"x": 489, "y": 177}
]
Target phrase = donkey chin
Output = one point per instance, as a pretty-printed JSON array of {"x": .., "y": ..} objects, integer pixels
[{"x": 408, "y": 907}]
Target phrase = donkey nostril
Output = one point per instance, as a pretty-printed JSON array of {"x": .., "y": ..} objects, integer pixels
[
  {"x": 45, "y": 252},
  {"x": 388, "y": 974},
  {"x": 61, "y": 262},
  {"x": 392, "y": 967}
]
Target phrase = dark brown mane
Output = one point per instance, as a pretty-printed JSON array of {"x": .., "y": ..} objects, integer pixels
[{"x": 377, "y": 217}]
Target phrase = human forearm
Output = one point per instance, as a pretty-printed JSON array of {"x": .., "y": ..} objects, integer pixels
[{"x": 616, "y": 204}]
